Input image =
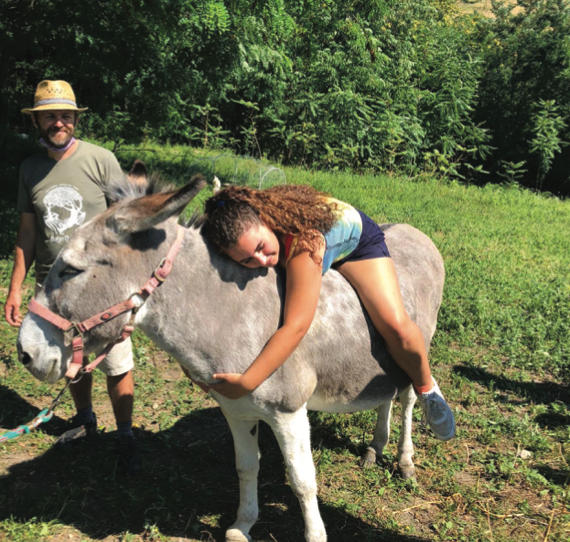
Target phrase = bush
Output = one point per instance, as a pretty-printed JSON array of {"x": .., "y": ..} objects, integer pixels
[
  {"x": 381, "y": 85},
  {"x": 524, "y": 90},
  {"x": 14, "y": 149},
  {"x": 386, "y": 86}
]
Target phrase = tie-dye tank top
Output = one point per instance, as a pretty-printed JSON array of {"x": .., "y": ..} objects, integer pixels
[{"x": 340, "y": 241}]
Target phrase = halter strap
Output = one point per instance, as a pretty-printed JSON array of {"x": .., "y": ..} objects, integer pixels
[{"x": 73, "y": 332}]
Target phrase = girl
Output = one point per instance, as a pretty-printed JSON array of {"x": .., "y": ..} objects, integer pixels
[{"x": 308, "y": 232}]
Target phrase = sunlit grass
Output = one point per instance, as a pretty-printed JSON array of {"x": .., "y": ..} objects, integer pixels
[{"x": 501, "y": 355}]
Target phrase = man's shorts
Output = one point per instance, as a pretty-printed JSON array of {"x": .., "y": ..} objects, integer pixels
[
  {"x": 119, "y": 360},
  {"x": 371, "y": 244}
]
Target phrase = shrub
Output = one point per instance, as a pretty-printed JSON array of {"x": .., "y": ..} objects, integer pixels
[
  {"x": 524, "y": 89},
  {"x": 381, "y": 85}
]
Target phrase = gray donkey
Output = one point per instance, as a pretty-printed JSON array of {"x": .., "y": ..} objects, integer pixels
[{"x": 214, "y": 316}]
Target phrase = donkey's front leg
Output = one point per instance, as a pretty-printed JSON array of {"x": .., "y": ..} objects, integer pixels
[
  {"x": 247, "y": 464},
  {"x": 293, "y": 434}
]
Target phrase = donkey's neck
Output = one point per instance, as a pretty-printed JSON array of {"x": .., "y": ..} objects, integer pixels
[{"x": 207, "y": 305}]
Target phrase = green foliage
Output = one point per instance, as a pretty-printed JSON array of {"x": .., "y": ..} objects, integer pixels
[
  {"x": 380, "y": 87},
  {"x": 407, "y": 86},
  {"x": 13, "y": 151},
  {"x": 338, "y": 84},
  {"x": 207, "y": 128},
  {"x": 511, "y": 172},
  {"x": 129, "y": 61},
  {"x": 524, "y": 92},
  {"x": 546, "y": 126}
]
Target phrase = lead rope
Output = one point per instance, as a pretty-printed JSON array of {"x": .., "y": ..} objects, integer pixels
[
  {"x": 44, "y": 416},
  {"x": 157, "y": 278}
]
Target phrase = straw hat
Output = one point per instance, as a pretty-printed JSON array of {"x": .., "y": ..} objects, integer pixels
[{"x": 54, "y": 95}]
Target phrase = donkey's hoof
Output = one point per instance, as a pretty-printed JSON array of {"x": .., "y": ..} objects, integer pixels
[
  {"x": 368, "y": 459},
  {"x": 407, "y": 472},
  {"x": 235, "y": 535}
]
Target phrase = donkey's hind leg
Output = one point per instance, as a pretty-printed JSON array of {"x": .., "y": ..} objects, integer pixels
[
  {"x": 247, "y": 464},
  {"x": 405, "y": 444},
  {"x": 293, "y": 435},
  {"x": 381, "y": 435}
]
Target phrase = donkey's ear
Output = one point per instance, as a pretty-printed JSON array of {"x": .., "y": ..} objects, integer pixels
[
  {"x": 138, "y": 175},
  {"x": 144, "y": 213},
  {"x": 138, "y": 170}
]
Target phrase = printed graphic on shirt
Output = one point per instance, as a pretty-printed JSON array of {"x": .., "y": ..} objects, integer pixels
[{"x": 64, "y": 211}]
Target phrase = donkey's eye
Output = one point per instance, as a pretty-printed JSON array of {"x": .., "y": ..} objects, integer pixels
[{"x": 69, "y": 271}]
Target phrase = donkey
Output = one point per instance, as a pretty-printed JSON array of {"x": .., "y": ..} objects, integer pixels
[{"x": 214, "y": 316}]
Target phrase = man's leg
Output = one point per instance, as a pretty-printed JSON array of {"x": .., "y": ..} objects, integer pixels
[
  {"x": 84, "y": 422},
  {"x": 118, "y": 367},
  {"x": 81, "y": 392},
  {"x": 121, "y": 389}
]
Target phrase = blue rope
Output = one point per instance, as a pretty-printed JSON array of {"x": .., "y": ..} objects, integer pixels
[{"x": 44, "y": 416}]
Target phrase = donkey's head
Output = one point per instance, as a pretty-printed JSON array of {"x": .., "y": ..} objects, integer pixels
[{"x": 105, "y": 262}]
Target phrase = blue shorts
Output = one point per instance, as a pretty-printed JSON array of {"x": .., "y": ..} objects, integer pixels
[{"x": 370, "y": 246}]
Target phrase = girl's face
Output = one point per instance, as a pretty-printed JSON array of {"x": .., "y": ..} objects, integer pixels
[{"x": 257, "y": 247}]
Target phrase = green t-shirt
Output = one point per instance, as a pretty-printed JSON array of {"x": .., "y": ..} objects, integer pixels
[{"x": 64, "y": 195}]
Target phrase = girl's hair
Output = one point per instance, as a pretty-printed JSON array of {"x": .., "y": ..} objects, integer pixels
[{"x": 285, "y": 209}]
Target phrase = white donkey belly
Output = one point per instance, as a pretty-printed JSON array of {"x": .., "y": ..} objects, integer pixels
[{"x": 322, "y": 404}]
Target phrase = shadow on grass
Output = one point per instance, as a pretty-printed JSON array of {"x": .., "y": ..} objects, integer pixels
[
  {"x": 188, "y": 488},
  {"x": 17, "y": 411},
  {"x": 537, "y": 392},
  {"x": 328, "y": 433},
  {"x": 552, "y": 420},
  {"x": 560, "y": 477}
]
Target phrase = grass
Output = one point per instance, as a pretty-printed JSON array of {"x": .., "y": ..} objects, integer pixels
[{"x": 501, "y": 355}]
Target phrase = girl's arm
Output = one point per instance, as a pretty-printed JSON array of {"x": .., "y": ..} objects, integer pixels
[{"x": 301, "y": 297}]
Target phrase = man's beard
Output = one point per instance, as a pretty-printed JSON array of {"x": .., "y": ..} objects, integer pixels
[{"x": 59, "y": 143}]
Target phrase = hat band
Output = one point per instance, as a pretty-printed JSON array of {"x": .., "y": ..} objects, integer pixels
[{"x": 53, "y": 101}]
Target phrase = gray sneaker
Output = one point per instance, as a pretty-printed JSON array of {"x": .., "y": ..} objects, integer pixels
[{"x": 437, "y": 413}]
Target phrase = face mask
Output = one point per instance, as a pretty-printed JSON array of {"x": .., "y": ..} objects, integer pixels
[{"x": 56, "y": 149}]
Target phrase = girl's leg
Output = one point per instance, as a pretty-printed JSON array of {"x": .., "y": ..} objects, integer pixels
[{"x": 377, "y": 286}]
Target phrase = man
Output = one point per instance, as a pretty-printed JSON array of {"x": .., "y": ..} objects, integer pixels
[{"x": 60, "y": 189}]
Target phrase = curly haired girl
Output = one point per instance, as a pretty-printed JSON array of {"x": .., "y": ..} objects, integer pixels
[{"x": 307, "y": 233}]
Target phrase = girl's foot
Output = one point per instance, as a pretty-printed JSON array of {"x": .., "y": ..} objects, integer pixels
[{"x": 437, "y": 413}]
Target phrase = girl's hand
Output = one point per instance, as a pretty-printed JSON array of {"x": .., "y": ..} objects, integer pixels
[
  {"x": 233, "y": 386},
  {"x": 202, "y": 385}
]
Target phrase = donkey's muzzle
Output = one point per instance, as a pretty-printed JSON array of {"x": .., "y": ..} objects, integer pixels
[{"x": 24, "y": 357}]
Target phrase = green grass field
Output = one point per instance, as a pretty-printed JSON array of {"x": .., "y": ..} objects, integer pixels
[{"x": 501, "y": 356}]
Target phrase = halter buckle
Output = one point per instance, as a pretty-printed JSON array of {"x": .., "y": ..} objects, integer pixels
[
  {"x": 159, "y": 267},
  {"x": 70, "y": 333},
  {"x": 138, "y": 301}
]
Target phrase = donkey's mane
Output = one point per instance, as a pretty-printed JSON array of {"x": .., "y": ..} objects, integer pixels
[
  {"x": 138, "y": 183},
  {"x": 195, "y": 221},
  {"x": 131, "y": 187}
]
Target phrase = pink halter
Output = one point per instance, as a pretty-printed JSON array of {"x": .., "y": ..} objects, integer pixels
[{"x": 73, "y": 332}]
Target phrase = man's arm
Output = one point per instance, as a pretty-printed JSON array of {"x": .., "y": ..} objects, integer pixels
[{"x": 23, "y": 258}]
